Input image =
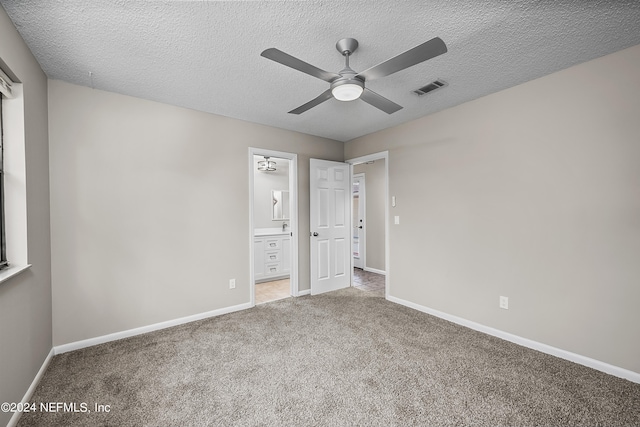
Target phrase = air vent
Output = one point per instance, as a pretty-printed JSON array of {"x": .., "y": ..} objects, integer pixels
[{"x": 434, "y": 85}]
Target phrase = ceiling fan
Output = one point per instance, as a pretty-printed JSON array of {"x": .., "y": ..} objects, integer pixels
[{"x": 347, "y": 85}]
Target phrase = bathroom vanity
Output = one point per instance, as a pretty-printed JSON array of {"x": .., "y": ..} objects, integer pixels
[{"x": 272, "y": 254}]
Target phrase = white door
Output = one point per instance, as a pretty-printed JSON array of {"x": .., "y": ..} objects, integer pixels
[
  {"x": 359, "y": 194},
  {"x": 330, "y": 225}
]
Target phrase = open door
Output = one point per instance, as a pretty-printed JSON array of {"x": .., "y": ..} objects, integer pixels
[
  {"x": 330, "y": 225},
  {"x": 358, "y": 222}
]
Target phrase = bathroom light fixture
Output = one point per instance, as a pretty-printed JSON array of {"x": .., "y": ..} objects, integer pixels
[{"x": 266, "y": 165}]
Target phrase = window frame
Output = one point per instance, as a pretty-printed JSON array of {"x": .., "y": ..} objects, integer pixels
[
  {"x": 3, "y": 242},
  {"x": 14, "y": 174}
]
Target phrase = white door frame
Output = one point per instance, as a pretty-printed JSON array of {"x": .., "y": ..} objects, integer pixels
[
  {"x": 362, "y": 208},
  {"x": 293, "y": 222},
  {"x": 363, "y": 159}
]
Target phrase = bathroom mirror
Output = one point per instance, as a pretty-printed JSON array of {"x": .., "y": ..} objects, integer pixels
[{"x": 280, "y": 200}]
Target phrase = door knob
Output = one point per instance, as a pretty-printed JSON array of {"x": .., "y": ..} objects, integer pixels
[{"x": 315, "y": 234}]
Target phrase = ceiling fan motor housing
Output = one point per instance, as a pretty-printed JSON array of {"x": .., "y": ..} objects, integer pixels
[{"x": 347, "y": 79}]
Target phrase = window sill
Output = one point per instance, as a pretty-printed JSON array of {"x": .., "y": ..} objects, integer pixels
[{"x": 12, "y": 270}]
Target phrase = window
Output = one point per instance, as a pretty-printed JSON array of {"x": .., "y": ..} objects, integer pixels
[
  {"x": 3, "y": 243},
  {"x": 14, "y": 253},
  {"x": 5, "y": 90}
]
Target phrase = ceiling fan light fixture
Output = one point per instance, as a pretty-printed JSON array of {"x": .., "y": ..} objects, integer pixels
[
  {"x": 347, "y": 92},
  {"x": 347, "y": 89}
]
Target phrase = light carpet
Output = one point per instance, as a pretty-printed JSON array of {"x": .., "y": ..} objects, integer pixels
[{"x": 346, "y": 358}]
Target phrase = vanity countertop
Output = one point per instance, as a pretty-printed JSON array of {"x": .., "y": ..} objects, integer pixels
[{"x": 276, "y": 231}]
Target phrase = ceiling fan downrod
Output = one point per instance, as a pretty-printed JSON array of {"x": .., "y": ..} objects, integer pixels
[{"x": 346, "y": 47}]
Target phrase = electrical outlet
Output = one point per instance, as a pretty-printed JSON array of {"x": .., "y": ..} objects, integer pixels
[
  {"x": 504, "y": 302},
  {"x": 396, "y": 219},
  {"x": 232, "y": 283}
]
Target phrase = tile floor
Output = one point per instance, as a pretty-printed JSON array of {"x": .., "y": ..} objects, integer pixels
[
  {"x": 271, "y": 291},
  {"x": 279, "y": 289},
  {"x": 367, "y": 281}
]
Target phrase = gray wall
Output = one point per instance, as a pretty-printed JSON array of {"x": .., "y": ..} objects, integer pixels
[
  {"x": 374, "y": 199},
  {"x": 531, "y": 193},
  {"x": 150, "y": 209},
  {"x": 25, "y": 300}
]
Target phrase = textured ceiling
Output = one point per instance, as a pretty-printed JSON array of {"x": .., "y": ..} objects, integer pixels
[{"x": 205, "y": 55}]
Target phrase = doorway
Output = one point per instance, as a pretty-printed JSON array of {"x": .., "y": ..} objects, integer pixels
[
  {"x": 370, "y": 208},
  {"x": 359, "y": 194},
  {"x": 273, "y": 225}
]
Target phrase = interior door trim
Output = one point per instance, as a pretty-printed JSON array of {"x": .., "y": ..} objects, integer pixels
[
  {"x": 293, "y": 222},
  {"x": 363, "y": 159}
]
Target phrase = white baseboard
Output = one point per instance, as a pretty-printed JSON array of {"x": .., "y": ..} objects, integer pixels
[
  {"x": 525, "y": 342},
  {"x": 304, "y": 292},
  {"x": 27, "y": 396},
  {"x": 144, "y": 329},
  {"x": 375, "y": 270}
]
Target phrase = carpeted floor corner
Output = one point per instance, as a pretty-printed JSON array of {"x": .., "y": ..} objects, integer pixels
[{"x": 346, "y": 358}]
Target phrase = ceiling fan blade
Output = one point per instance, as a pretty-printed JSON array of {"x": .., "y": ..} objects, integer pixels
[
  {"x": 316, "y": 101},
  {"x": 380, "y": 102},
  {"x": 418, "y": 54},
  {"x": 297, "y": 64}
]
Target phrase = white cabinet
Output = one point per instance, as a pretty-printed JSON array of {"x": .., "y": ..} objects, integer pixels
[
  {"x": 286, "y": 254},
  {"x": 272, "y": 257},
  {"x": 258, "y": 258}
]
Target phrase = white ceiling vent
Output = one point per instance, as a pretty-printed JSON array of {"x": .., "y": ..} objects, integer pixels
[{"x": 434, "y": 85}]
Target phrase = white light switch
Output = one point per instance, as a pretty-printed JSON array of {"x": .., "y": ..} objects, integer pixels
[
  {"x": 393, "y": 201},
  {"x": 504, "y": 302},
  {"x": 396, "y": 219}
]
